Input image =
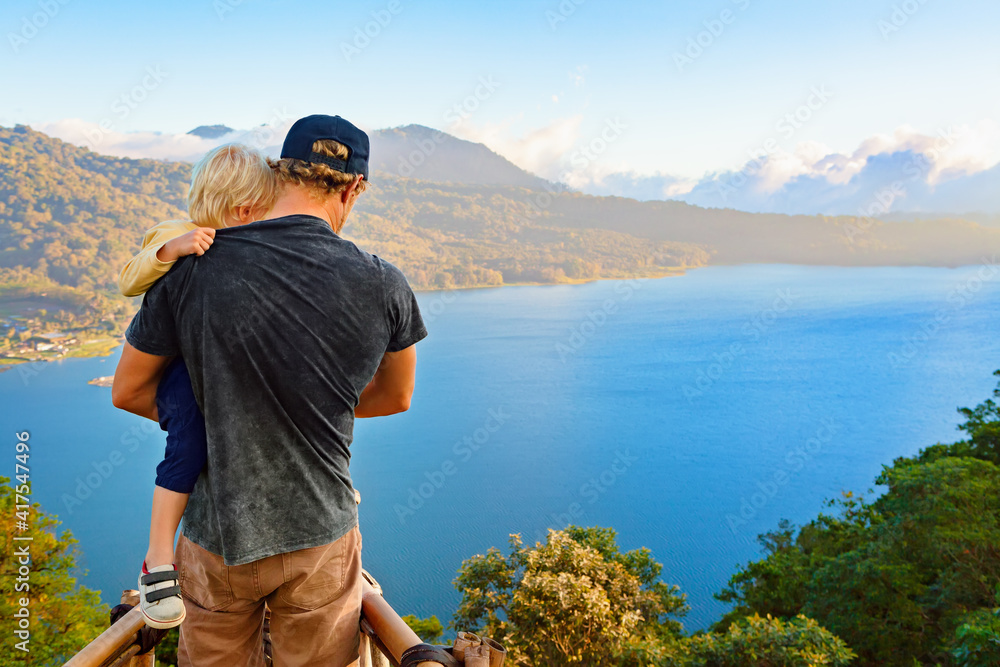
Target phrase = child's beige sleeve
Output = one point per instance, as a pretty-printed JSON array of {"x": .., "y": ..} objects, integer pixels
[{"x": 139, "y": 274}]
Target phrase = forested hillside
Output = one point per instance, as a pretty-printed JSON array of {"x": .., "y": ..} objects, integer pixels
[
  {"x": 70, "y": 218},
  {"x": 735, "y": 237},
  {"x": 470, "y": 235}
]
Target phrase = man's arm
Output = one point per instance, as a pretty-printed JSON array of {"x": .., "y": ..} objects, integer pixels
[
  {"x": 390, "y": 390},
  {"x": 136, "y": 379}
]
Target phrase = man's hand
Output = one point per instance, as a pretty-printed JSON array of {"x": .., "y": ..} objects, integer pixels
[
  {"x": 136, "y": 379},
  {"x": 195, "y": 242},
  {"x": 390, "y": 390}
]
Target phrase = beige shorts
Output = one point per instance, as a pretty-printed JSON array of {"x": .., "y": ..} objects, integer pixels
[{"x": 314, "y": 596}]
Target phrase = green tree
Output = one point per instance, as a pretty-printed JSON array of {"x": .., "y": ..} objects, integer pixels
[
  {"x": 897, "y": 577},
  {"x": 769, "y": 642},
  {"x": 983, "y": 426},
  {"x": 977, "y": 639},
  {"x": 64, "y": 616},
  {"x": 573, "y": 600},
  {"x": 578, "y": 600},
  {"x": 166, "y": 650},
  {"x": 428, "y": 629}
]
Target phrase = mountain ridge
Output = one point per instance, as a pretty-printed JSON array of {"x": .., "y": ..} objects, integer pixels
[
  {"x": 69, "y": 218},
  {"x": 857, "y": 184},
  {"x": 441, "y": 157}
]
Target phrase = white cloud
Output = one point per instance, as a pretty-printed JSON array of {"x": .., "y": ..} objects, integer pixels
[
  {"x": 127, "y": 144},
  {"x": 639, "y": 186},
  {"x": 953, "y": 170},
  {"x": 158, "y": 145},
  {"x": 541, "y": 151}
]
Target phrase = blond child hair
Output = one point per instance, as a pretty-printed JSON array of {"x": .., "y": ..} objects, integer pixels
[
  {"x": 228, "y": 177},
  {"x": 231, "y": 184}
]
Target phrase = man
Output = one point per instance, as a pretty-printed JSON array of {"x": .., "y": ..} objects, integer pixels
[{"x": 289, "y": 332}]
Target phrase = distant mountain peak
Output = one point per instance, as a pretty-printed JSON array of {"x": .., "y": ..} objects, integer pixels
[
  {"x": 211, "y": 131},
  {"x": 424, "y": 153},
  {"x": 412, "y": 128}
]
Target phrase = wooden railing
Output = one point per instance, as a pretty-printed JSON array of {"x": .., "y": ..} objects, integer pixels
[
  {"x": 385, "y": 636},
  {"x": 118, "y": 646}
]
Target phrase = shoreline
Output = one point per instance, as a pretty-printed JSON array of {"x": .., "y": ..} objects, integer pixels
[
  {"x": 100, "y": 347},
  {"x": 104, "y": 347},
  {"x": 652, "y": 275}
]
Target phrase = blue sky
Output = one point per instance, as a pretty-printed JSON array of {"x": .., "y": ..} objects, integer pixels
[{"x": 557, "y": 84}]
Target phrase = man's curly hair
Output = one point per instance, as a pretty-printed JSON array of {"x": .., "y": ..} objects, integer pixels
[{"x": 323, "y": 178}]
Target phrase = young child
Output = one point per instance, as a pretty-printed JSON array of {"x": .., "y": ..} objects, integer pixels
[{"x": 232, "y": 185}]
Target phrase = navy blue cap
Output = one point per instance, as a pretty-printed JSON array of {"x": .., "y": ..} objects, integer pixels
[{"x": 300, "y": 138}]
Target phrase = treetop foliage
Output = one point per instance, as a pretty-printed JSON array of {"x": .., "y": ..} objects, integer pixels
[
  {"x": 63, "y": 615},
  {"x": 908, "y": 578}
]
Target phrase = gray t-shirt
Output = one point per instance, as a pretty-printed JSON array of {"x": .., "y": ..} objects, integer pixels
[{"x": 282, "y": 324}]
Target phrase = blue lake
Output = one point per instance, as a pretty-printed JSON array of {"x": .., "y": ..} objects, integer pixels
[{"x": 690, "y": 413}]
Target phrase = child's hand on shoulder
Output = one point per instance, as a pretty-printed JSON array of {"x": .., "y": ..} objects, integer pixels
[{"x": 195, "y": 242}]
